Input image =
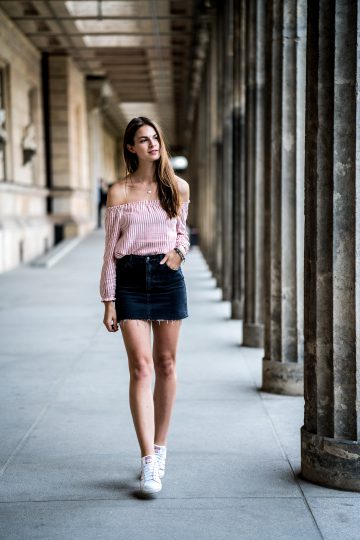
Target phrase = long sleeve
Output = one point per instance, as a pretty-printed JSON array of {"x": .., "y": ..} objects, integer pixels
[
  {"x": 182, "y": 238},
  {"x": 108, "y": 272}
]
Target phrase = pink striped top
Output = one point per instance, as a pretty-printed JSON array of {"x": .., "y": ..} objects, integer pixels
[{"x": 139, "y": 228}]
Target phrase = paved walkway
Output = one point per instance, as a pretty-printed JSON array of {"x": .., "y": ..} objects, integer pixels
[{"x": 69, "y": 456}]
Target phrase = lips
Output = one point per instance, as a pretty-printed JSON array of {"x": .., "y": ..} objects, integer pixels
[{"x": 153, "y": 152}]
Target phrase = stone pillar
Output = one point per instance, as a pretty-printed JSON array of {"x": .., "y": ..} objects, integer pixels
[
  {"x": 201, "y": 148},
  {"x": 253, "y": 329},
  {"x": 227, "y": 150},
  {"x": 284, "y": 222},
  {"x": 203, "y": 163},
  {"x": 96, "y": 140},
  {"x": 218, "y": 28},
  {"x": 95, "y": 156},
  {"x": 238, "y": 173},
  {"x": 202, "y": 173},
  {"x": 330, "y": 446},
  {"x": 72, "y": 199},
  {"x": 213, "y": 179}
]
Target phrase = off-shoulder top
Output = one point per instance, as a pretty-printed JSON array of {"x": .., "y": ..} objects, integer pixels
[{"x": 139, "y": 228}]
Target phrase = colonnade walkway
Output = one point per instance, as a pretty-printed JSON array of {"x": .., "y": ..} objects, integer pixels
[{"x": 69, "y": 456}]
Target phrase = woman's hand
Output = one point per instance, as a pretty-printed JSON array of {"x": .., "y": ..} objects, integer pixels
[
  {"x": 110, "y": 318},
  {"x": 172, "y": 259}
]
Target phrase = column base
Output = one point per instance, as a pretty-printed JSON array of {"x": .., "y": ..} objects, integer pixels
[
  {"x": 253, "y": 335},
  {"x": 283, "y": 377},
  {"x": 226, "y": 294},
  {"x": 330, "y": 462},
  {"x": 218, "y": 281},
  {"x": 237, "y": 310}
]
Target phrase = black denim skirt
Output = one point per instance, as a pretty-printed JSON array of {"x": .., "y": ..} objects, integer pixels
[{"x": 146, "y": 289}]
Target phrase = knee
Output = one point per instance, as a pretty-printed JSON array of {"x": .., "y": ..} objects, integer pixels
[
  {"x": 140, "y": 369},
  {"x": 165, "y": 366}
]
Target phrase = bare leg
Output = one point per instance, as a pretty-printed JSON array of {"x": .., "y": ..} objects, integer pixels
[
  {"x": 137, "y": 340},
  {"x": 166, "y": 336}
]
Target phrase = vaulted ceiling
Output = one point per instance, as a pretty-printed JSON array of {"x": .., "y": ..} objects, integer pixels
[{"x": 147, "y": 49}]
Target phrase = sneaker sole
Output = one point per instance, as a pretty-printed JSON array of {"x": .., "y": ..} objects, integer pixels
[{"x": 145, "y": 494}]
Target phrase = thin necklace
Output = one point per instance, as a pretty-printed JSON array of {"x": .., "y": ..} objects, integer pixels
[{"x": 147, "y": 191}]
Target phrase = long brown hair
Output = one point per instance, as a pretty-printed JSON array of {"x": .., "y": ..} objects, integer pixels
[{"x": 164, "y": 173}]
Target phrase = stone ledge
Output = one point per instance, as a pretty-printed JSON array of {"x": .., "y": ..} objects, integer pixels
[{"x": 56, "y": 253}]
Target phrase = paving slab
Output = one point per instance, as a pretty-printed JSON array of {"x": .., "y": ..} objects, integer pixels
[
  {"x": 337, "y": 517},
  {"x": 209, "y": 519}
]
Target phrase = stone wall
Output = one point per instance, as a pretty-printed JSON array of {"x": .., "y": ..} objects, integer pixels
[
  {"x": 38, "y": 210},
  {"x": 25, "y": 230}
]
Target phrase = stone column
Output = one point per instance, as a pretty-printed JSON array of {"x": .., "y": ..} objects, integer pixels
[
  {"x": 203, "y": 154},
  {"x": 96, "y": 143},
  {"x": 203, "y": 157},
  {"x": 330, "y": 446},
  {"x": 201, "y": 148},
  {"x": 214, "y": 180},
  {"x": 227, "y": 150},
  {"x": 218, "y": 28},
  {"x": 238, "y": 236},
  {"x": 254, "y": 171},
  {"x": 286, "y": 33},
  {"x": 71, "y": 189}
]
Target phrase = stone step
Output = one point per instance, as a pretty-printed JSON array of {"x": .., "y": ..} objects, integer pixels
[{"x": 55, "y": 254}]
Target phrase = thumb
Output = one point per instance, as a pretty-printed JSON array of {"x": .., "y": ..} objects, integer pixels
[{"x": 115, "y": 324}]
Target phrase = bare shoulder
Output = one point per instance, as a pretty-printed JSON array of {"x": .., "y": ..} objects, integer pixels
[
  {"x": 116, "y": 193},
  {"x": 184, "y": 188}
]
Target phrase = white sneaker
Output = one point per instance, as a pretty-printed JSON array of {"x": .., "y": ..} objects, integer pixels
[
  {"x": 160, "y": 453},
  {"x": 150, "y": 482}
]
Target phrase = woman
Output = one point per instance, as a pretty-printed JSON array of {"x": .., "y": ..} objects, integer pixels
[{"x": 142, "y": 285}]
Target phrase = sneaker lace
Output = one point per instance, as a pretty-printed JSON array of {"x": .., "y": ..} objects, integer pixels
[
  {"x": 161, "y": 460},
  {"x": 151, "y": 472}
]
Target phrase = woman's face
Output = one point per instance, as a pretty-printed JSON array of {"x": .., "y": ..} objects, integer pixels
[{"x": 146, "y": 144}]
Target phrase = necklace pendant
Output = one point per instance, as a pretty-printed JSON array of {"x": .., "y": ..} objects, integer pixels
[{"x": 148, "y": 191}]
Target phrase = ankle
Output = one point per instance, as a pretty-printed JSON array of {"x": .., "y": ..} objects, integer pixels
[
  {"x": 160, "y": 450},
  {"x": 148, "y": 455}
]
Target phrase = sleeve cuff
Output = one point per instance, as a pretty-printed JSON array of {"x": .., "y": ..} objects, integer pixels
[{"x": 182, "y": 249}]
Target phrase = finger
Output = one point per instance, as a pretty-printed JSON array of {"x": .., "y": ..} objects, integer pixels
[
  {"x": 113, "y": 324},
  {"x": 116, "y": 326},
  {"x": 164, "y": 259},
  {"x": 108, "y": 324}
]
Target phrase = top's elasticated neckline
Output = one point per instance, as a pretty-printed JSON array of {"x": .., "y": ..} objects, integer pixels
[{"x": 138, "y": 202}]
